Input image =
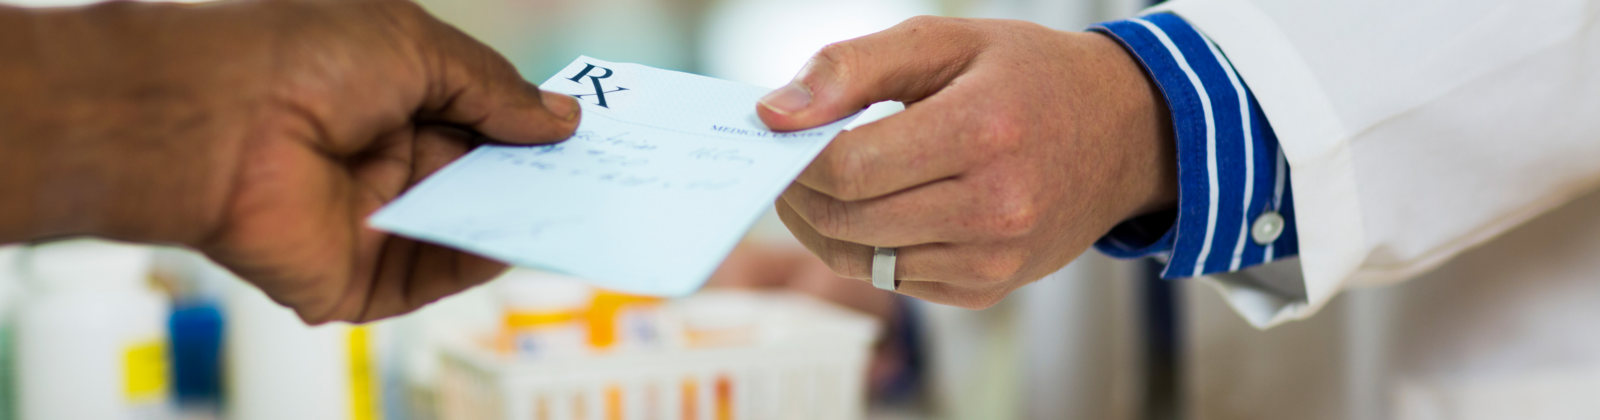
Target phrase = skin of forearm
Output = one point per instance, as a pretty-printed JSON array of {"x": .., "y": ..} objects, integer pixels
[
  {"x": 19, "y": 77},
  {"x": 103, "y": 131}
]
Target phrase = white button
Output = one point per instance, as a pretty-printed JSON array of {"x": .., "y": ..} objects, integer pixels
[{"x": 1267, "y": 228}]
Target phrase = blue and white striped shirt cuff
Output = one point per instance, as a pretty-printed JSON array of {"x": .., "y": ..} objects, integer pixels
[{"x": 1230, "y": 170}]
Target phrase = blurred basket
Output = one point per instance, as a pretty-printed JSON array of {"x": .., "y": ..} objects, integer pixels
[{"x": 804, "y": 359}]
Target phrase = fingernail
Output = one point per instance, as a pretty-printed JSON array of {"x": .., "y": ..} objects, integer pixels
[
  {"x": 561, "y": 105},
  {"x": 788, "y": 99}
]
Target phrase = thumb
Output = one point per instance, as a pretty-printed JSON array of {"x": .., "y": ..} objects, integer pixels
[
  {"x": 473, "y": 86},
  {"x": 906, "y": 63}
]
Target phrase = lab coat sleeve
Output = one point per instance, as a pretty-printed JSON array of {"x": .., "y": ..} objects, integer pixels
[
  {"x": 1235, "y": 207},
  {"x": 1413, "y": 130},
  {"x": 1232, "y": 210}
]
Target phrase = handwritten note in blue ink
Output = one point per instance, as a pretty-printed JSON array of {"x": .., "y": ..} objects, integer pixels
[{"x": 664, "y": 176}]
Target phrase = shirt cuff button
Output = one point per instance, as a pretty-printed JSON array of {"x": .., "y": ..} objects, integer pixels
[{"x": 1267, "y": 228}]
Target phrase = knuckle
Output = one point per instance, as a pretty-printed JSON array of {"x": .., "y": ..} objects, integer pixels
[
  {"x": 830, "y": 221},
  {"x": 1020, "y": 26},
  {"x": 920, "y": 22},
  {"x": 404, "y": 18},
  {"x": 988, "y": 274},
  {"x": 1001, "y": 131},
  {"x": 411, "y": 18},
  {"x": 997, "y": 271},
  {"x": 844, "y": 174},
  {"x": 940, "y": 27},
  {"x": 401, "y": 9},
  {"x": 838, "y": 58},
  {"x": 407, "y": 8},
  {"x": 845, "y": 265},
  {"x": 1013, "y": 218}
]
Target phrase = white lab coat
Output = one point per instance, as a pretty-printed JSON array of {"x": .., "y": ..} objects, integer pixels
[
  {"x": 1509, "y": 330},
  {"x": 1414, "y": 130},
  {"x": 1454, "y": 144}
]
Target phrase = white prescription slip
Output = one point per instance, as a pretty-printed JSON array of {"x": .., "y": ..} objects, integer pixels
[{"x": 665, "y": 174}]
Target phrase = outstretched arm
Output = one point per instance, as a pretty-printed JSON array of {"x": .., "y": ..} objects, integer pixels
[{"x": 259, "y": 132}]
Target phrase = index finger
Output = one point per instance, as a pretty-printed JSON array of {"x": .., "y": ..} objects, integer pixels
[{"x": 927, "y": 142}]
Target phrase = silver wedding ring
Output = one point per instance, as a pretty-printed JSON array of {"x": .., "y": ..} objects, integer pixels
[{"x": 883, "y": 269}]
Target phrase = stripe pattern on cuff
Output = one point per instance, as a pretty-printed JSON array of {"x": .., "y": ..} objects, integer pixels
[{"x": 1230, "y": 169}]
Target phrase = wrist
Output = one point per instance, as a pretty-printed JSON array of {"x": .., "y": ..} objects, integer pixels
[
  {"x": 111, "y": 141},
  {"x": 1228, "y": 157},
  {"x": 1150, "y": 169}
]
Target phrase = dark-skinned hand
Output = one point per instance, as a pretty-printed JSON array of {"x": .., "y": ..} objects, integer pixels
[{"x": 262, "y": 133}]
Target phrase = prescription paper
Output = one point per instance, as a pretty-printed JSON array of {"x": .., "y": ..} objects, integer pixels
[{"x": 665, "y": 174}]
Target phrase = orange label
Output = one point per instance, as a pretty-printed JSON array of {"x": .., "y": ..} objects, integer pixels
[
  {"x": 613, "y": 402},
  {"x": 603, "y": 315},
  {"x": 724, "y": 398},
  {"x": 691, "y": 399}
]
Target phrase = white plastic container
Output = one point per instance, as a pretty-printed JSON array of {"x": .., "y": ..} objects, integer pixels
[
  {"x": 91, "y": 339},
  {"x": 9, "y": 288},
  {"x": 277, "y": 367},
  {"x": 545, "y": 314},
  {"x": 792, "y": 357}
]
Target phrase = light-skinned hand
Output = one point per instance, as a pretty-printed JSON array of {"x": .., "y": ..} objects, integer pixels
[{"x": 1019, "y": 147}]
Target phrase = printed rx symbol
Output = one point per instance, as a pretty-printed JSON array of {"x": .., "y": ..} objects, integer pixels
[{"x": 599, "y": 92}]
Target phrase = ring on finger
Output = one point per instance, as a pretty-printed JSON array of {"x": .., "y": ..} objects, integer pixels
[{"x": 883, "y": 260}]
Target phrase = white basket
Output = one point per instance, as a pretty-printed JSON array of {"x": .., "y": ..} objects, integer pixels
[{"x": 807, "y": 360}]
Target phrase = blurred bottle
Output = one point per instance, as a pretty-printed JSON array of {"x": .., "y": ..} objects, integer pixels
[
  {"x": 624, "y": 322},
  {"x": 196, "y": 328},
  {"x": 412, "y": 373},
  {"x": 546, "y": 314},
  {"x": 280, "y": 368},
  {"x": 721, "y": 318},
  {"x": 92, "y": 340},
  {"x": 8, "y": 297}
]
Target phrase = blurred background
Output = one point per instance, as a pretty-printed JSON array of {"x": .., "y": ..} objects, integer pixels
[{"x": 100, "y": 330}]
